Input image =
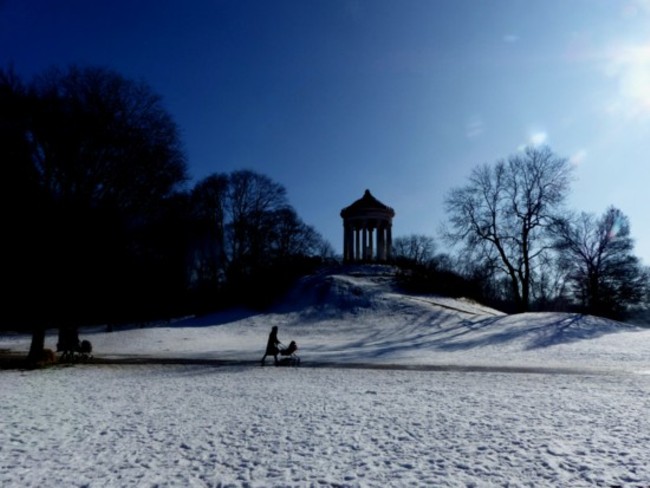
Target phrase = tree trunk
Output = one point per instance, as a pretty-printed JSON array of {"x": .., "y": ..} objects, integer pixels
[{"x": 38, "y": 344}]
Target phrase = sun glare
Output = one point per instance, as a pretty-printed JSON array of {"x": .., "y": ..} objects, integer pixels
[{"x": 630, "y": 66}]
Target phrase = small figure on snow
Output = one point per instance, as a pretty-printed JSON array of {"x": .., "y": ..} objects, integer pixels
[{"x": 272, "y": 346}]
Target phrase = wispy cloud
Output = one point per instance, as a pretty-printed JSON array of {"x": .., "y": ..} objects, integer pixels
[
  {"x": 578, "y": 157},
  {"x": 632, "y": 8},
  {"x": 510, "y": 38},
  {"x": 535, "y": 138},
  {"x": 474, "y": 128}
]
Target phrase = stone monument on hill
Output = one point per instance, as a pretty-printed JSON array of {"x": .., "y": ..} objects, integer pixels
[{"x": 367, "y": 230}]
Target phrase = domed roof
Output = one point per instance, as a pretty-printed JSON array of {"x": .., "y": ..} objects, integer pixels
[{"x": 367, "y": 203}]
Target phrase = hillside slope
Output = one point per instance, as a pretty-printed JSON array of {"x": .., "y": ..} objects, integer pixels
[{"x": 358, "y": 315}]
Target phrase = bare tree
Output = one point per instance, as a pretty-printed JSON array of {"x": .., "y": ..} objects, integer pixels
[
  {"x": 252, "y": 199},
  {"x": 501, "y": 216},
  {"x": 292, "y": 237},
  {"x": 416, "y": 248},
  {"x": 246, "y": 234},
  {"x": 597, "y": 253},
  {"x": 208, "y": 254}
]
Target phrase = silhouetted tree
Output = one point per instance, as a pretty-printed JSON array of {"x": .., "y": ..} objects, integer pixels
[
  {"x": 602, "y": 271},
  {"x": 550, "y": 285},
  {"x": 417, "y": 248},
  {"x": 253, "y": 200},
  {"x": 208, "y": 259},
  {"x": 501, "y": 216},
  {"x": 103, "y": 157},
  {"x": 440, "y": 275},
  {"x": 102, "y": 140},
  {"x": 247, "y": 239},
  {"x": 292, "y": 237},
  {"x": 24, "y": 215}
]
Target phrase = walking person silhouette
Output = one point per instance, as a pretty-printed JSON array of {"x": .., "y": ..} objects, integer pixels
[{"x": 272, "y": 346}]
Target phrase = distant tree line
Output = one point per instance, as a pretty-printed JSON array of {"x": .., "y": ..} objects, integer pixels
[
  {"x": 100, "y": 225},
  {"x": 520, "y": 249}
]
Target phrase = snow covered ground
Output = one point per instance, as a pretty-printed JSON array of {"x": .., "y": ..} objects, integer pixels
[{"x": 409, "y": 391}]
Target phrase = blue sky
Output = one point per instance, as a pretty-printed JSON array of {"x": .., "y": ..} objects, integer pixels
[{"x": 330, "y": 97}]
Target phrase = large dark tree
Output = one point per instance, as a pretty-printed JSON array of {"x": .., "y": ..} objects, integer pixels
[
  {"x": 104, "y": 160},
  {"x": 25, "y": 214},
  {"x": 253, "y": 199},
  {"x": 292, "y": 237},
  {"x": 603, "y": 274},
  {"x": 102, "y": 140},
  {"x": 501, "y": 216},
  {"x": 208, "y": 260},
  {"x": 247, "y": 239}
]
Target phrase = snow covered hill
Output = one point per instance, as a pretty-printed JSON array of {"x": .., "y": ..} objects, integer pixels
[
  {"x": 456, "y": 417},
  {"x": 358, "y": 315}
]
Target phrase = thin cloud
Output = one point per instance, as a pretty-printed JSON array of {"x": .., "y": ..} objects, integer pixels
[
  {"x": 535, "y": 138},
  {"x": 474, "y": 128},
  {"x": 634, "y": 8},
  {"x": 510, "y": 38},
  {"x": 538, "y": 138},
  {"x": 578, "y": 157}
]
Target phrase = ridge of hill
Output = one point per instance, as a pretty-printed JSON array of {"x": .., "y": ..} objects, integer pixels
[
  {"x": 359, "y": 315},
  {"x": 354, "y": 287}
]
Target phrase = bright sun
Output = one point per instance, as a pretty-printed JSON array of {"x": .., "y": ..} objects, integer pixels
[{"x": 630, "y": 66}]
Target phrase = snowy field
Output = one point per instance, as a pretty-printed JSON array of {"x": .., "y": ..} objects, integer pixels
[
  {"x": 393, "y": 390},
  {"x": 251, "y": 426}
]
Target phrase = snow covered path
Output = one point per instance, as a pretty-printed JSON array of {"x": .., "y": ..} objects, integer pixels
[{"x": 206, "y": 426}]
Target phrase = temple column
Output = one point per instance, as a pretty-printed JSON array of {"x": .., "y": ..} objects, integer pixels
[
  {"x": 381, "y": 242},
  {"x": 357, "y": 250},
  {"x": 345, "y": 242},
  {"x": 389, "y": 241},
  {"x": 364, "y": 244},
  {"x": 349, "y": 248}
]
